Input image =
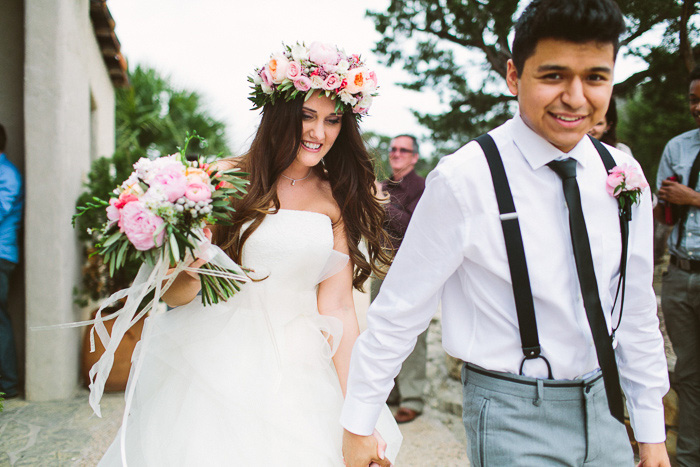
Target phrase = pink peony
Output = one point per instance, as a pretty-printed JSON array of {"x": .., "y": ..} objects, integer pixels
[
  {"x": 112, "y": 211},
  {"x": 635, "y": 180},
  {"x": 198, "y": 191},
  {"x": 124, "y": 198},
  {"x": 294, "y": 70},
  {"x": 277, "y": 67},
  {"x": 303, "y": 84},
  {"x": 139, "y": 224},
  {"x": 332, "y": 82},
  {"x": 625, "y": 177},
  {"x": 323, "y": 54},
  {"x": 356, "y": 80},
  {"x": 172, "y": 182}
]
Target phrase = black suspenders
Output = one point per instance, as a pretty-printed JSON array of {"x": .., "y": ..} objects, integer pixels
[{"x": 524, "y": 305}]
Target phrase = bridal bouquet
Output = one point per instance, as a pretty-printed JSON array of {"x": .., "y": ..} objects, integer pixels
[
  {"x": 158, "y": 216},
  {"x": 160, "y": 211}
]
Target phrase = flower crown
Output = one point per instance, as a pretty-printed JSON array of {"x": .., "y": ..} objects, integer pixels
[{"x": 299, "y": 70}]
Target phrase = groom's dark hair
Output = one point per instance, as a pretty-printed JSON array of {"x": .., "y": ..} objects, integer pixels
[{"x": 576, "y": 21}]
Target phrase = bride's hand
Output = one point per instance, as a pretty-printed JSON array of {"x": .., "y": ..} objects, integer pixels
[
  {"x": 196, "y": 263},
  {"x": 381, "y": 448}
]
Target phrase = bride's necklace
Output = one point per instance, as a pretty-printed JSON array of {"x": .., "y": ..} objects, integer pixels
[{"x": 294, "y": 180}]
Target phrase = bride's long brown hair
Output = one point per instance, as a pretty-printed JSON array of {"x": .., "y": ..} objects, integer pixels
[{"x": 348, "y": 168}]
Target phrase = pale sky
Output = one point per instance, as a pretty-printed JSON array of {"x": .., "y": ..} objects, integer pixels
[{"x": 211, "y": 46}]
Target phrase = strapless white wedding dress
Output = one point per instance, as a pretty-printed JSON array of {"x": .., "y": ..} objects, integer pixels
[{"x": 249, "y": 382}]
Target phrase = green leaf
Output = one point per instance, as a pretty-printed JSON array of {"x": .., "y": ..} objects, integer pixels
[
  {"x": 113, "y": 238},
  {"x": 120, "y": 256},
  {"x": 174, "y": 249}
]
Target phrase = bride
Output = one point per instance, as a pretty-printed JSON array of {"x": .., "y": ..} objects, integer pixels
[{"x": 260, "y": 379}]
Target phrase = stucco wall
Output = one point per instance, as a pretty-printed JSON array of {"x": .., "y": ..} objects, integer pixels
[{"x": 64, "y": 77}]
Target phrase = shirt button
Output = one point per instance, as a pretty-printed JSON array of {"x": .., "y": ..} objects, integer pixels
[
  {"x": 692, "y": 214},
  {"x": 690, "y": 235}
]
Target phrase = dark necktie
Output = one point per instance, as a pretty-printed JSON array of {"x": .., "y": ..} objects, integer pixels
[{"x": 566, "y": 169}]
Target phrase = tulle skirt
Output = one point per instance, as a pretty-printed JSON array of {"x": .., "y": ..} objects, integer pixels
[{"x": 238, "y": 384}]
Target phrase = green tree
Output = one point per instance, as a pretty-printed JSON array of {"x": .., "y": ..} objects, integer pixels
[
  {"x": 152, "y": 119},
  {"x": 459, "y": 48}
]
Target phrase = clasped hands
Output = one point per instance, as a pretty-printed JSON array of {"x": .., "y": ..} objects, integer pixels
[{"x": 364, "y": 451}]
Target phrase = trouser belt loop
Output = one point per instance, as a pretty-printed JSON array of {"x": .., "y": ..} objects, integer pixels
[{"x": 539, "y": 394}]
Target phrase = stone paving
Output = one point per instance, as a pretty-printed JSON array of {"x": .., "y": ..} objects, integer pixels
[
  {"x": 67, "y": 433},
  {"x": 59, "y": 433}
]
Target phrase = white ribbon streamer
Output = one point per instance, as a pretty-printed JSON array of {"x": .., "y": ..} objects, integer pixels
[{"x": 150, "y": 277}]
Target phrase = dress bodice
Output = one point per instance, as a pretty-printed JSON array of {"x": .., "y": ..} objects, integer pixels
[{"x": 292, "y": 250}]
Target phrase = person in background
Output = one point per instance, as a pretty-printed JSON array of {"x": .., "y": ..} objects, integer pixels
[
  {"x": 680, "y": 292},
  {"x": 605, "y": 130},
  {"x": 11, "y": 201},
  {"x": 404, "y": 188}
]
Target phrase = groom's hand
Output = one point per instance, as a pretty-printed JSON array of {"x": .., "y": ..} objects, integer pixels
[{"x": 361, "y": 451}]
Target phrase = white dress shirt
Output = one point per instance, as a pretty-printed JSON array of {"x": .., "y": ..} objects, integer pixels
[{"x": 454, "y": 252}]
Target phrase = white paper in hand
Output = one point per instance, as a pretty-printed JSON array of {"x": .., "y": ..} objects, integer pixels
[{"x": 389, "y": 430}]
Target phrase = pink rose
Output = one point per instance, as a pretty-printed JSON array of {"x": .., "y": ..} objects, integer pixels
[
  {"x": 266, "y": 84},
  {"x": 373, "y": 78},
  {"x": 139, "y": 224},
  {"x": 323, "y": 54},
  {"x": 172, "y": 183},
  {"x": 294, "y": 70},
  {"x": 332, "y": 82},
  {"x": 613, "y": 182},
  {"x": 303, "y": 84},
  {"x": 198, "y": 191}
]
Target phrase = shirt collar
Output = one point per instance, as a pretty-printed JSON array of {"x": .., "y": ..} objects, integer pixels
[{"x": 539, "y": 152}]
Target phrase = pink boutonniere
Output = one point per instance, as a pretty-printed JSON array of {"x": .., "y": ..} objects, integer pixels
[{"x": 626, "y": 184}]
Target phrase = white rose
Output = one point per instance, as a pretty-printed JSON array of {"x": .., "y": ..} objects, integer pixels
[
  {"x": 300, "y": 52},
  {"x": 342, "y": 66},
  {"x": 316, "y": 82},
  {"x": 347, "y": 98},
  {"x": 365, "y": 102}
]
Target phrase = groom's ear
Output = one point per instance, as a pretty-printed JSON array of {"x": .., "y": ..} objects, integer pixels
[{"x": 512, "y": 78}]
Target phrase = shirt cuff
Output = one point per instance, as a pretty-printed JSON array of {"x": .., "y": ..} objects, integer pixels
[
  {"x": 649, "y": 426},
  {"x": 359, "y": 417}
]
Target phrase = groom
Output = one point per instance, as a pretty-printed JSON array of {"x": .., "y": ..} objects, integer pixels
[{"x": 548, "y": 403}]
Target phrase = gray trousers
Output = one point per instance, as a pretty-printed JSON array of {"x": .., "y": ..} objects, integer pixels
[
  {"x": 680, "y": 303},
  {"x": 513, "y": 420},
  {"x": 409, "y": 385}
]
